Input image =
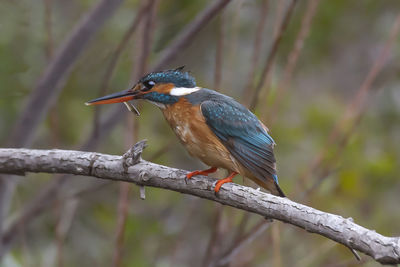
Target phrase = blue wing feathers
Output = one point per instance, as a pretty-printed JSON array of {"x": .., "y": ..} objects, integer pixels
[
  {"x": 242, "y": 134},
  {"x": 275, "y": 178}
]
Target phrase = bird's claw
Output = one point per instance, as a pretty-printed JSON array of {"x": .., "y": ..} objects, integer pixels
[
  {"x": 190, "y": 175},
  {"x": 219, "y": 183},
  {"x": 216, "y": 191}
]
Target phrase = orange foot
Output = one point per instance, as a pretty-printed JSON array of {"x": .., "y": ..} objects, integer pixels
[
  {"x": 223, "y": 181},
  {"x": 205, "y": 172}
]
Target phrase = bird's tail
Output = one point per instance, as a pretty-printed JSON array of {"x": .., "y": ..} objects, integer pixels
[
  {"x": 279, "y": 191},
  {"x": 271, "y": 185}
]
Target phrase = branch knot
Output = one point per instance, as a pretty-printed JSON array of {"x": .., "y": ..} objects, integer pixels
[{"x": 133, "y": 155}]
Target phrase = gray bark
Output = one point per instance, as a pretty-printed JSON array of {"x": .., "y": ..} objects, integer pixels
[{"x": 131, "y": 168}]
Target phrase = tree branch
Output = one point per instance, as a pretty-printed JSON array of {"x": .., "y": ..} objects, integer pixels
[
  {"x": 188, "y": 33},
  {"x": 48, "y": 87},
  {"x": 131, "y": 168},
  {"x": 271, "y": 55},
  {"x": 106, "y": 124}
]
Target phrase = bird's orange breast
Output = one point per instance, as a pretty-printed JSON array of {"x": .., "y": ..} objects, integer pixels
[{"x": 189, "y": 125}]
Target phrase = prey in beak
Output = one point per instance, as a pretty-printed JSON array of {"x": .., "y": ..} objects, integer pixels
[{"x": 120, "y": 97}]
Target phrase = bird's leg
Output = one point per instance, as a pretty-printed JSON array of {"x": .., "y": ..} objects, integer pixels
[
  {"x": 223, "y": 181},
  {"x": 204, "y": 172}
]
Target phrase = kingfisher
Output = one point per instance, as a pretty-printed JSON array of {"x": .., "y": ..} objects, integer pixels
[{"x": 213, "y": 127}]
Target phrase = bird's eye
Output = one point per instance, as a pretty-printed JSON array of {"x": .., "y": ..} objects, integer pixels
[{"x": 148, "y": 85}]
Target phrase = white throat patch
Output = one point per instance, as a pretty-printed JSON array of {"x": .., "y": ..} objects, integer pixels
[{"x": 179, "y": 91}]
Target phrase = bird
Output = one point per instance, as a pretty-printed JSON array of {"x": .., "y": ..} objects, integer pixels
[{"x": 213, "y": 127}]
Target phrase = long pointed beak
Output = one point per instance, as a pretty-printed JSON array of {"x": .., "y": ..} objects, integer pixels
[{"x": 113, "y": 98}]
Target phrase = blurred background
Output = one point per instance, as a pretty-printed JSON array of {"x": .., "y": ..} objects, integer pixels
[{"x": 322, "y": 75}]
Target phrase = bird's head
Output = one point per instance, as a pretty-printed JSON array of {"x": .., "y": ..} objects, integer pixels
[{"x": 161, "y": 88}]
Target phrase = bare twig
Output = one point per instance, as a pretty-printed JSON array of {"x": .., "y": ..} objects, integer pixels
[
  {"x": 48, "y": 87},
  {"x": 383, "y": 249},
  {"x": 298, "y": 44},
  {"x": 253, "y": 233},
  {"x": 257, "y": 46},
  {"x": 351, "y": 118},
  {"x": 87, "y": 190},
  {"x": 244, "y": 241},
  {"x": 123, "y": 201},
  {"x": 315, "y": 254},
  {"x": 276, "y": 243},
  {"x": 241, "y": 228},
  {"x": 146, "y": 40},
  {"x": 107, "y": 123},
  {"x": 233, "y": 41},
  {"x": 328, "y": 166},
  {"x": 212, "y": 247},
  {"x": 279, "y": 12},
  {"x": 111, "y": 119},
  {"x": 284, "y": 83},
  {"x": 142, "y": 192},
  {"x": 65, "y": 218},
  {"x": 132, "y": 129},
  {"x": 48, "y": 28},
  {"x": 347, "y": 124},
  {"x": 114, "y": 60},
  {"x": 123, "y": 205},
  {"x": 7, "y": 189},
  {"x": 353, "y": 111},
  {"x": 271, "y": 55},
  {"x": 356, "y": 255},
  {"x": 192, "y": 209},
  {"x": 361, "y": 98},
  {"x": 46, "y": 198},
  {"x": 186, "y": 37},
  {"x": 34, "y": 207},
  {"x": 219, "y": 53},
  {"x": 213, "y": 244}
]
